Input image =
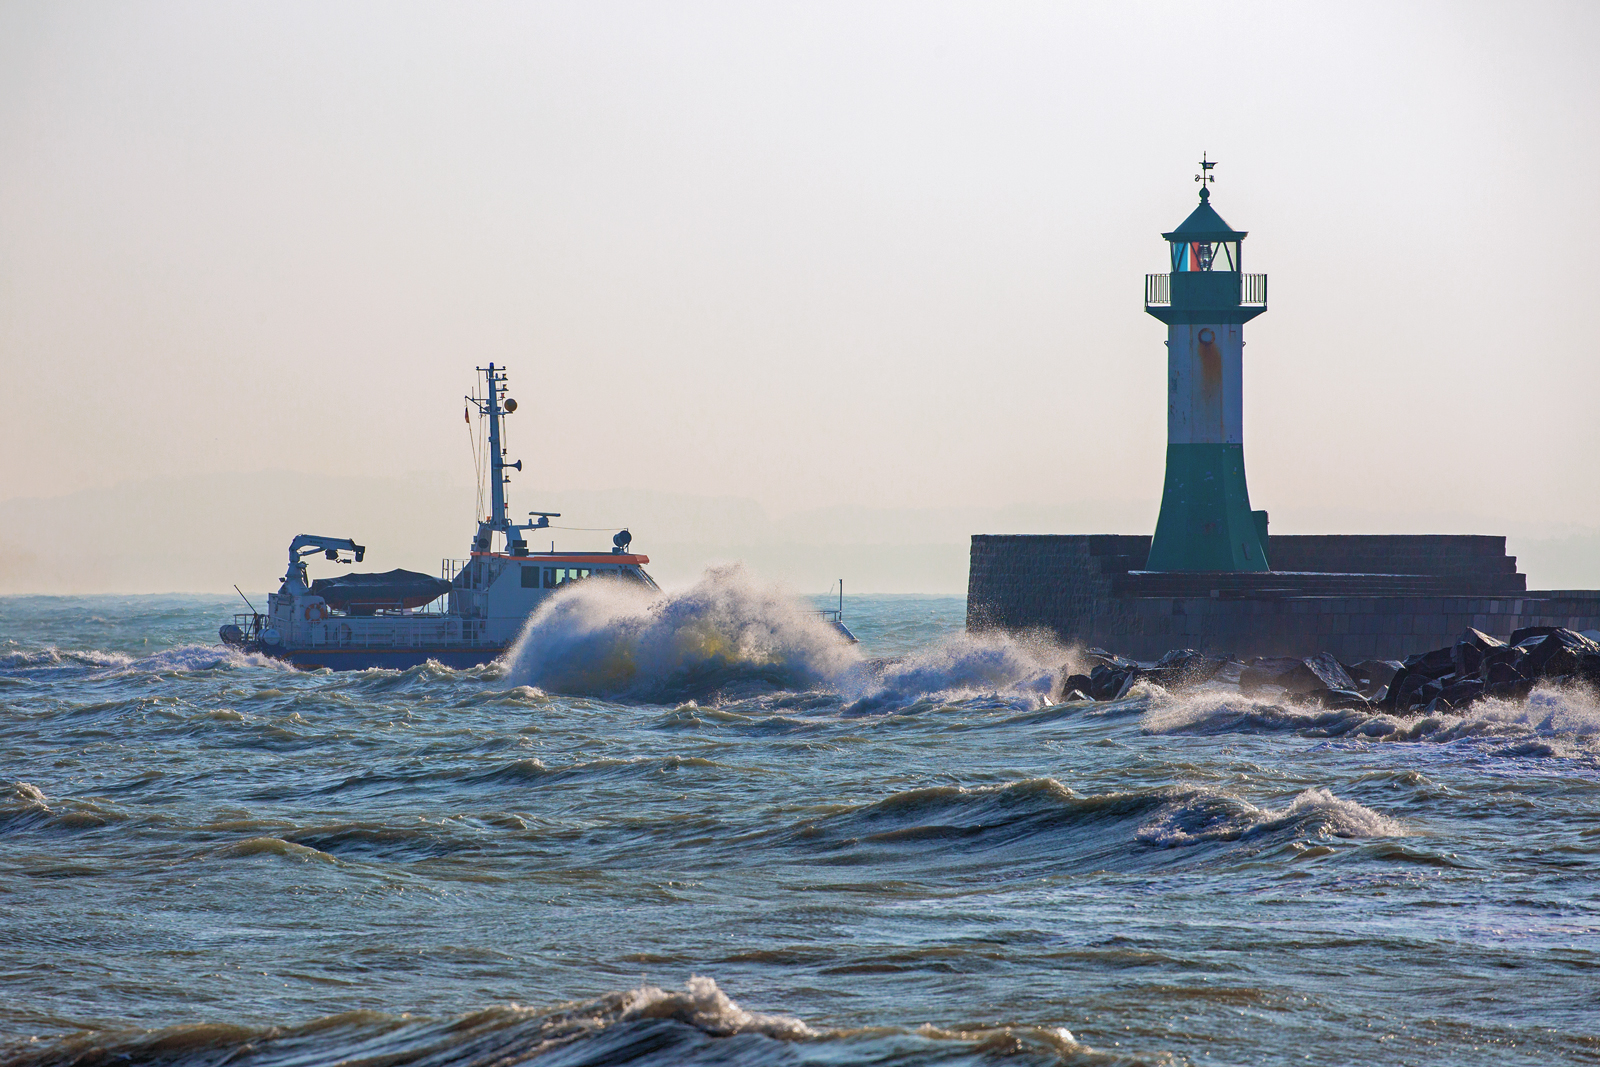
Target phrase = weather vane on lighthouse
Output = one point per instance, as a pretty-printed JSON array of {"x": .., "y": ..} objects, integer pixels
[{"x": 1205, "y": 176}]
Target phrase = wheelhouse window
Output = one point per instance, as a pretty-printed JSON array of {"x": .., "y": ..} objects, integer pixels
[
  {"x": 554, "y": 576},
  {"x": 530, "y": 577}
]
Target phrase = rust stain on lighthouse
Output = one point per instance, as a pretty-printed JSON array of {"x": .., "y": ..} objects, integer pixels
[{"x": 1210, "y": 366}]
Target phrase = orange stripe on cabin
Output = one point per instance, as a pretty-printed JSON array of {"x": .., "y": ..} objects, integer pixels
[{"x": 535, "y": 557}]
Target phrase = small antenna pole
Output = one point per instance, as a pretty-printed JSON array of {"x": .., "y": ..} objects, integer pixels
[
  {"x": 841, "y": 598},
  {"x": 246, "y": 600}
]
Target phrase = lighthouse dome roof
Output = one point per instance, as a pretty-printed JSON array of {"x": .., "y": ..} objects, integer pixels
[{"x": 1204, "y": 224}]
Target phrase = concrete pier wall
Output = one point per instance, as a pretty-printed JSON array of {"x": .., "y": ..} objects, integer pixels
[{"x": 1359, "y": 597}]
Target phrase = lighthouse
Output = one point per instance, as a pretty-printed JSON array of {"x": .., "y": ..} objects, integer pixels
[{"x": 1206, "y": 523}]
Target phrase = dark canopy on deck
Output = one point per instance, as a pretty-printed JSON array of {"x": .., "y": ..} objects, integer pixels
[{"x": 362, "y": 594}]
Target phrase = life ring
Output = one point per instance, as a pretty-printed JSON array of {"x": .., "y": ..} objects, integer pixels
[{"x": 316, "y": 612}]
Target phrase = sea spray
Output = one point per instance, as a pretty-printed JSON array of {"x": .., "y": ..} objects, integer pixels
[
  {"x": 729, "y": 636},
  {"x": 621, "y": 641}
]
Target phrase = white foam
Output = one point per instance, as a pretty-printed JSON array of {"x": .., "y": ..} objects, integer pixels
[
  {"x": 1564, "y": 720},
  {"x": 29, "y": 795},
  {"x": 701, "y": 1004},
  {"x": 1218, "y": 711}
]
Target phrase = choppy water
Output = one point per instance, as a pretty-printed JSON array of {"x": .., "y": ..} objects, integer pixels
[{"x": 701, "y": 830}]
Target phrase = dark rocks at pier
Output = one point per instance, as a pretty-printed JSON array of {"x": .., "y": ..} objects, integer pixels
[
  {"x": 1480, "y": 666},
  {"x": 1474, "y": 668},
  {"x": 1298, "y": 677}
]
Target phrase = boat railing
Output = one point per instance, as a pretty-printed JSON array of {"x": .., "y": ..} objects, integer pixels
[
  {"x": 834, "y": 617},
  {"x": 379, "y": 631},
  {"x": 835, "y": 614},
  {"x": 250, "y": 624},
  {"x": 448, "y": 570}
]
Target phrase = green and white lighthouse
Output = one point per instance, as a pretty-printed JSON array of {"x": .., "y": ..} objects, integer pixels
[{"x": 1206, "y": 523}]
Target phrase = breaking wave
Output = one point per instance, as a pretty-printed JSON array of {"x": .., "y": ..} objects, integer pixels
[
  {"x": 1552, "y": 721},
  {"x": 182, "y": 659},
  {"x": 1208, "y": 815},
  {"x": 25, "y": 809},
  {"x": 728, "y": 638},
  {"x": 1016, "y": 671},
  {"x": 698, "y": 1024}
]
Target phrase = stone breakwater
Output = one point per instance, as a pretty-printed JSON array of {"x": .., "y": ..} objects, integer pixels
[
  {"x": 1356, "y": 596},
  {"x": 1448, "y": 679}
]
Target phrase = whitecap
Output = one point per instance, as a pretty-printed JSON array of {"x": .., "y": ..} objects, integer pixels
[{"x": 1210, "y": 815}]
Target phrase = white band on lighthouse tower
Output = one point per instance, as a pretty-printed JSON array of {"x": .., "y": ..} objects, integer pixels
[{"x": 1205, "y": 384}]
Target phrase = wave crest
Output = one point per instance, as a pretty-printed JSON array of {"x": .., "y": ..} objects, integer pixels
[
  {"x": 176, "y": 660},
  {"x": 618, "y": 1027},
  {"x": 24, "y": 809},
  {"x": 1207, "y": 815},
  {"x": 1039, "y": 821},
  {"x": 705, "y": 1007},
  {"x": 646, "y": 1025}
]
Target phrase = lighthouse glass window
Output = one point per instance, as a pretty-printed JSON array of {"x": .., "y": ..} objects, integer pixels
[{"x": 1205, "y": 255}]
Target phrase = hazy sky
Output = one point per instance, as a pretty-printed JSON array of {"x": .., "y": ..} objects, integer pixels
[{"x": 809, "y": 254}]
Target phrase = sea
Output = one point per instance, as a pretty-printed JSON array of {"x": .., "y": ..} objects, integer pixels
[{"x": 698, "y": 827}]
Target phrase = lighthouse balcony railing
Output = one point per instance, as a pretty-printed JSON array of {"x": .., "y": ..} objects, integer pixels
[
  {"x": 1253, "y": 290},
  {"x": 1157, "y": 290},
  {"x": 1200, "y": 292}
]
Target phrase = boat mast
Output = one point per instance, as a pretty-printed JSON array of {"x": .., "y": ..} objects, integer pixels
[
  {"x": 497, "y": 453},
  {"x": 490, "y": 405}
]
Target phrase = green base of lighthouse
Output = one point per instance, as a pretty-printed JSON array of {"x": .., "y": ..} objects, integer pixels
[{"x": 1206, "y": 523}]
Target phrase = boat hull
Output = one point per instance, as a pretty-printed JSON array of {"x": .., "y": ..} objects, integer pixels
[{"x": 390, "y": 659}]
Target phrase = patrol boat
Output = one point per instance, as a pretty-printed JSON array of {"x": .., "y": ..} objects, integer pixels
[{"x": 467, "y": 616}]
